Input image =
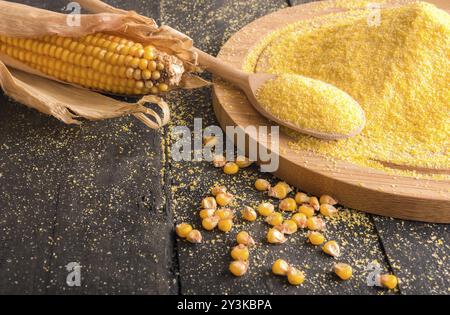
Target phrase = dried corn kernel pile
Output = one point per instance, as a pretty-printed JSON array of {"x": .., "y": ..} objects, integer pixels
[
  {"x": 310, "y": 104},
  {"x": 396, "y": 70}
]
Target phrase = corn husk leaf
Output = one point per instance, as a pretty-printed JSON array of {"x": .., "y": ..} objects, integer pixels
[{"x": 67, "y": 102}]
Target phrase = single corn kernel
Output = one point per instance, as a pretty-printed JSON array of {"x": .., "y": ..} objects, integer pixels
[
  {"x": 206, "y": 213},
  {"x": 343, "y": 271},
  {"x": 316, "y": 238},
  {"x": 315, "y": 224},
  {"x": 262, "y": 184},
  {"x": 194, "y": 236},
  {"x": 183, "y": 229},
  {"x": 288, "y": 204},
  {"x": 210, "y": 141},
  {"x": 249, "y": 214},
  {"x": 238, "y": 267},
  {"x": 225, "y": 225},
  {"x": 224, "y": 199},
  {"x": 300, "y": 219},
  {"x": 210, "y": 223},
  {"x": 230, "y": 168},
  {"x": 306, "y": 210},
  {"x": 274, "y": 219},
  {"x": 301, "y": 198},
  {"x": 314, "y": 202},
  {"x": 224, "y": 213},
  {"x": 240, "y": 252},
  {"x": 219, "y": 161},
  {"x": 327, "y": 210},
  {"x": 244, "y": 238},
  {"x": 265, "y": 209},
  {"x": 218, "y": 189},
  {"x": 332, "y": 248},
  {"x": 280, "y": 267},
  {"x": 325, "y": 199},
  {"x": 388, "y": 281},
  {"x": 295, "y": 276},
  {"x": 209, "y": 203},
  {"x": 279, "y": 191},
  {"x": 287, "y": 227},
  {"x": 243, "y": 161},
  {"x": 274, "y": 236}
]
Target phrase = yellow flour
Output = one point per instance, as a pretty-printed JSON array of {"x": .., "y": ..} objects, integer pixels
[{"x": 398, "y": 72}]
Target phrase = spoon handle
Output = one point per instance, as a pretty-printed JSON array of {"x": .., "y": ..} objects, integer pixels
[{"x": 222, "y": 69}]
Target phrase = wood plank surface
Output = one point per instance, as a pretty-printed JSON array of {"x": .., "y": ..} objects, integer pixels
[{"x": 92, "y": 194}]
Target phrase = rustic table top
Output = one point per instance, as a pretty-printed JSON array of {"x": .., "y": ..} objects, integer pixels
[{"x": 107, "y": 195}]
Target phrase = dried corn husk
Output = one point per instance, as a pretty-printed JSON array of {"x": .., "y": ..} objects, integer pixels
[{"x": 67, "y": 102}]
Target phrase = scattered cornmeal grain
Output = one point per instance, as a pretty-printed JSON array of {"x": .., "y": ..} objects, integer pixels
[
  {"x": 310, "y": 104},
  {"x": 397, "y": 94}
]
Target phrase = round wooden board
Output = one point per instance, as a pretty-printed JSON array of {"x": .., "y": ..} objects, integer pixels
[{"x": 356, "y": 187}]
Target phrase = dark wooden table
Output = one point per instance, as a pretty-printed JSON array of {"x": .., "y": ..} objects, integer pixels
[{"x": 107, "y": 195}]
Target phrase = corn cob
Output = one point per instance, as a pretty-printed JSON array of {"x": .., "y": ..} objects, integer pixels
[{"x": 98, "y": 61}]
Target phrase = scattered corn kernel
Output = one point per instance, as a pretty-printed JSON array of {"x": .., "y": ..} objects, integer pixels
[
  {"x": 209, "y": 203},
  {"x": 230, "y": 168},
  {"x": 287, "y": 227},
  {"x": 249, "y": 214},
  {"x": 243, "y": 161},
  {"x": 332, "y": 248},
  {"x": 389, "y": 281},
  {"x": 225, "y": 225},
  {"x": 306, "y": 210},
  {"x": 210, "y": 223},
  {"x": 265, "y": 209},
  {"x": 280, "y": 267},
  {"x": 244, "y": 238},
  {"x": 183, "y": 229},
  {"x": 224, "y": 199},
  {"x": 210, "y": 141},
  {"x": 328, "y": 210},
  {"x": 314, "y": 202},
  {"x": 238, "y": 267},
  {"x": 224, "y": 213},
  {"x": 262, "y": 184},
  {"x": 328, "y": 200},
  {"x": 343, "y": 271},
  {"x": 288, "y": 204},
  {"x": 300, "y": 219},
  {"x": 279, "y": 191},
  {"x": 274, "y": 236},
  {"x": 295, "y": 276},
  {"x": 240, "y": 252},
  {"x": 301, "y": 198},
  {"x": 274, "y": 219},
  {"x": 316, "y": 238},
  {"x": 206, "y": 213},
  {"x": 218, "y": 189},
  {"x": 194, "y": 236},
  {"x": 219, "y": 161},
  {"x": 315, "y": 224}
]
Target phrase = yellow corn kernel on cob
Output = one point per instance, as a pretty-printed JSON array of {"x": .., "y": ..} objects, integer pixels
[{"x": 97, "y": 61}]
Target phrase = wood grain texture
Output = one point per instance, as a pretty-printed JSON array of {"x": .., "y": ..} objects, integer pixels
[
  {"x": 358, "y": 187},
  {"x": 92, "y": 194}
]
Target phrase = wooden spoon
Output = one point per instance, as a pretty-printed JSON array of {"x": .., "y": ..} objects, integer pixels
[{"x": 249, "y": 83}]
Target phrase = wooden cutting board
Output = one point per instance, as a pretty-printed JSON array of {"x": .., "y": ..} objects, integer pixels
[{"x": 354, "y": 186}]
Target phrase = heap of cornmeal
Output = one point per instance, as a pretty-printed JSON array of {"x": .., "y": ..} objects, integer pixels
[
  {"x": 309, "y": 104},
  {"x": 397, "y": 70}
]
